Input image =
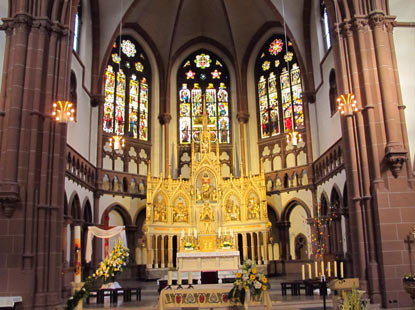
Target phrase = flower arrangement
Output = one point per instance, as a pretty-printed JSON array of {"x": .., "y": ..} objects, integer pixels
[
  {"x": 226, "y": 244},
  {"x": 248, "y": 281},
  {"x": 107, "y": 270},
  {"x": 189, "y": 245},
  {"x": 352, "y": 300}
]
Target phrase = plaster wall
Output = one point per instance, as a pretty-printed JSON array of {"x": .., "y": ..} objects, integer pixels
[
  {"x": 279, "y": 202},
  {"x": 298, "y": 218},
  {"x": 404, "y": 39}
]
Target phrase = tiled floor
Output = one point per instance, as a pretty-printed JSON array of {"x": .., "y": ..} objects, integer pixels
[{"x": 150, "y": 299}]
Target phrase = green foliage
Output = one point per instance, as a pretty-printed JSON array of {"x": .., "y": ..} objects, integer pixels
[
  {"x": 106, "y": 272},
  {"x": 352, "y": 300}
]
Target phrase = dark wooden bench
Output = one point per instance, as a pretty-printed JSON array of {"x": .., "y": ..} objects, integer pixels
[
  {"x": 293, "y": 286},
  {"x": 127, "y": 293}
]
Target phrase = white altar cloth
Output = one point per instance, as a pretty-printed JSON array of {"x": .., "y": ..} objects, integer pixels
[{"x": 208, "y": 261}]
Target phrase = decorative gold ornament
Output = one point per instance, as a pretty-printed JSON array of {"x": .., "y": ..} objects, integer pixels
[{"x": 63, "y": 111}]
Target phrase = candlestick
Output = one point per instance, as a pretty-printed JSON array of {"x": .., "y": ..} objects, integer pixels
[
  {"x": 179, "y": 277},
  {"x": 335, "y": 269},
  {"x": 303, "y": 272},
  {"x": 322, "y": 268},
  {"x": 169, "y": 277},
  {"x": 315, "y": 270},
  {"x": 328, "y": 269},
  {"x": 341, "y": 270},
  {"x": 309, "y": 271},
  {"x": 190, "y": 278}
]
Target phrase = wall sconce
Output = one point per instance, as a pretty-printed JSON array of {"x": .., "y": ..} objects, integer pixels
[
  {"x": 117, "y": 141},
  {"x": 63, "y": 111},
  {"x": 347, "y": 104},
  {"x": 294, "y": 137}
]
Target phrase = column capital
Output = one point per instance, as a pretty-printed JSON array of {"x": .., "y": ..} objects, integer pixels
[
  {"x": 242, "y": 117},
  {"x": 9, "y": 197},
  {"x": 376, "y": 20},
  {"x": 164, "y": 118},
  {"x": 97, "y": 100}
]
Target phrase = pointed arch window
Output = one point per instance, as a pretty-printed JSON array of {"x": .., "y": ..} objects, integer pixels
[
  {"x": 126, "y": 87},
  {"x": 203, "y": 74},
  {"x": 279, "y": 88},
  {"x": 77, "y": 28},
  {"x": 325, "y": 25}
]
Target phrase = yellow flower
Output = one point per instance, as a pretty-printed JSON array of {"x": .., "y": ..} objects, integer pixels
[
  {"x": 253, "y": 270},
  {"x": 264, "y": 279},
  {"x": 238, "y": 275},
  {"x": 264, "y": 288},
  {"x": 252, "y": 277}
]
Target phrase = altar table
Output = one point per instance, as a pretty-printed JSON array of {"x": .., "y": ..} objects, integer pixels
[
  {"x": 205, "y": 296},
  {"x": 208, "y": 261}
]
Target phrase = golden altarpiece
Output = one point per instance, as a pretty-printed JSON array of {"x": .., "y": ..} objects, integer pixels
[{"x": 205, "y": 212}]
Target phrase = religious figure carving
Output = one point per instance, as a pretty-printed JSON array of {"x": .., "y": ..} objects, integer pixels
[
  {"x": 180, "y": 213},
  {"x": 205, "y": 187},
  {"x": 253, "y": 209},
  {"x": 160, "y": 210},
  {"x": 207, "y": 214},
  {"x": 214, "y": 195},
  {"x": 232, "y": 211}
]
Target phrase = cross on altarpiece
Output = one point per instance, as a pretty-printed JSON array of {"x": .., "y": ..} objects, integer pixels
[{"x": 106, "y": 226}]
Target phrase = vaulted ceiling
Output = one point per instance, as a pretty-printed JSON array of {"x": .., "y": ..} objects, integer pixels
[{"x": 173, "y": 24}]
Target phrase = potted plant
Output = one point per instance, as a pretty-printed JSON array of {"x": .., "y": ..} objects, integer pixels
[
  {"x": 189, "y": 246},
  {"x": 226, "y": 245}
]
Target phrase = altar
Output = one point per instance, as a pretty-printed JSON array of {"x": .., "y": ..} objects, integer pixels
[
  {"x": 208, "y": 261},
  {"x": 207, "y": 220}
]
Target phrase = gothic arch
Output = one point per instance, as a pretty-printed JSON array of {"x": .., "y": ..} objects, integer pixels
[
  {"x": 122, "y": 212},
  {"x": 75, "y": 207},
  {"x": 87, "y": 214},
  {"x": 285, "y": 214},
  {"x": 324, "y": 203},
  {"x": 335, "y": 189}
]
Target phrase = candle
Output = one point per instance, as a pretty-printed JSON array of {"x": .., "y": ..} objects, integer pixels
[
  {"x": 190, "y": 277},
  {"x": 182, "y": 233},
  {"x": 328, "y": 269},
  {"x": 335, "y": 269},
  {"x": 188, "y": 232},
  {"x": 194, "y": 232},
  {"x": 179, "y": 278},
  {"x": 219, "y": 232},
  {"x": 341, "y": 270},
  {"x": 225, "y": 231},
  {"x": 315, "y": 270},
  {"x": 303, "y": 272},
  {"x": 309, "y": 271},
  {"x": 322, "y": 268},
  {"x": 169, "y": 277}
]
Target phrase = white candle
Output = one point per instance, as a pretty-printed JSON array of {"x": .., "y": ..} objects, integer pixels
[
  {"x": 335, "y": 269},
  {"x": 189, "y": 232},
  {"x": 341, "y": 270},
  {"x": 194, "y": 232},
  {"x": 225, "y": 231},
  {"x": 302, "y": 272},
  {"x": 219, "y": 232},
  {"x": 322, "y": 268},
  {"x": 182, "y": 233},
  {"x": 328, "y": 269},
  {"x": 179, "y": 277},
  {"x": 169, "y": 277},
  {"x": 190, "y": 277},
  {"x": 309, "y": 271},
  {"x": 315, "y": 270}
]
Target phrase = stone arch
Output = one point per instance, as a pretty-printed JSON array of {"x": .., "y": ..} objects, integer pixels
[
  {"x": 285, "y": 214},
  {"x": 75, "y": 207},
  {"x": 87, "y": 211},
  {"x": 324, "y": 203},
  {"x": 125, "y": 215},
  {"x": 336, "y": 191}
]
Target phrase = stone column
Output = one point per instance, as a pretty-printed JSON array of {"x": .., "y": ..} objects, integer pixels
[
  {"x": 258, "y": 239},
  {"x": 265, "y": 244},
  {"x": 156, "y": 250},
  {"x": 162, "y": 252},
  {"x": 253, "y": 256},
  {"x": 170, "y": 252},
  {"x": 149, "y": 251},
  {"x": 244, "y": 247}
]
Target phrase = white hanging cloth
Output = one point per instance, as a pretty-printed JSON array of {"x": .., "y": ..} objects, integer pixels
[{"x": 102, "y": 233}]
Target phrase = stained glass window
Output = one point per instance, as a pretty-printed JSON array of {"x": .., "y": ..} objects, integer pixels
[
  {"x": 77, "y": 28},
  {"x": 203, "y": 75},
  {"x": 279, "y": 89},
  {"x": 325, "y": 25},
  {"x": 126, "y": 88}
]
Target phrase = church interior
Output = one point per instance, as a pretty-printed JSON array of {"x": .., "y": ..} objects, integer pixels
[{"x": 212, "y": 132}]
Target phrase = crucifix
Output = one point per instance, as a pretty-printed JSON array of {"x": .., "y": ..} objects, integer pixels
[
  {"x": 409, "y": 241},
  {"x": 106, "y": 226}
]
